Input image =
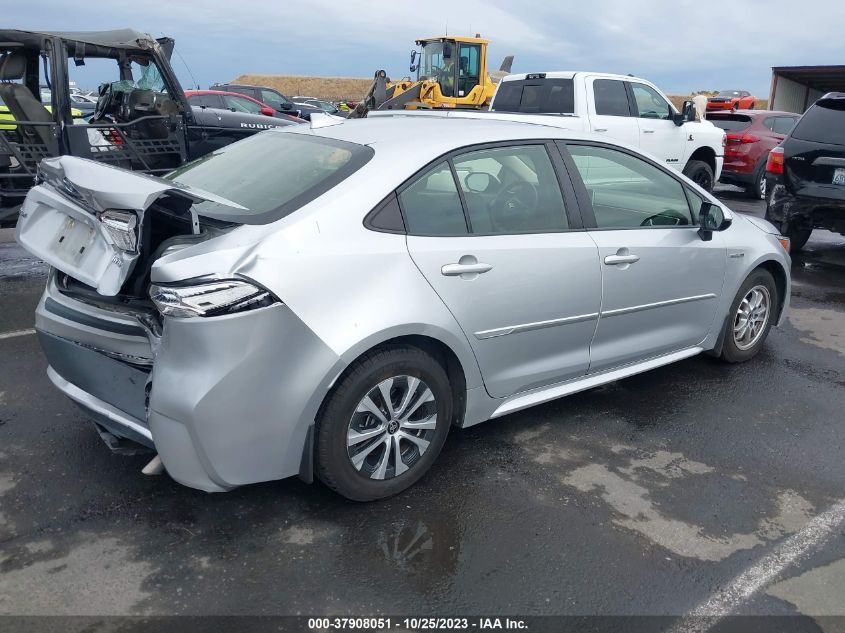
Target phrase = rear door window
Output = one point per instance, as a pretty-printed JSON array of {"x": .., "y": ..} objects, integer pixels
[
  {"x": 241, "y": 104},
  {"x": 784, "y": 124},
  {"x": 824, "y": 122},
  {"x": 511, "y": 190},
  {"x": 536, "y": 95},
  {"x": 611, "y": 98},
  {"x": 207, "y": 101}
]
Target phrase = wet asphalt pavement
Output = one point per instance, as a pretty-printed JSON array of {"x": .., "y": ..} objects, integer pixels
[{"x": 688, "y": 487}]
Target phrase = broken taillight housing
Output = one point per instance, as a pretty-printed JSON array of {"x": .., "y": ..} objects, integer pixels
[
  {"x": 205, "y": 299},
  {"x": 122, "y": 227}
]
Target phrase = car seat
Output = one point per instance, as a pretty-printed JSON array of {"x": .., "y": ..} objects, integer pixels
[{"x": 23, "y": 105}]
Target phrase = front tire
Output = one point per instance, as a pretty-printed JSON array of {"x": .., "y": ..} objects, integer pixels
[
  {"x": 751, "y": 316},
  {"x": 700, "y": 173},
  {"x": 384, "y": 424}
]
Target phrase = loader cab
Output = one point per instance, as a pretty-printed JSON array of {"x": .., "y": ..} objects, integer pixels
[{"x": 454, "y": 63}]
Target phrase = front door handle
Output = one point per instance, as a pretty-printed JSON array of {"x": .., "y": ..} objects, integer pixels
[
  {"x": 600, "y": 129},
  {"x": 615, "y": 260},
  {"x": 648, "y": 131},
  {"x": 453, "y": 270}
]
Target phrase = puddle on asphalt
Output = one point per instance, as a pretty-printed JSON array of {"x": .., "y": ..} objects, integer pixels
[
  {"x": 631, "y": 490},
  {"x": 36, "y": 580},
  {"x": 822, "y": 327}
]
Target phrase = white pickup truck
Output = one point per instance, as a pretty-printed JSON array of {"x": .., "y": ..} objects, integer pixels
[{"x": 622, "y": 107}]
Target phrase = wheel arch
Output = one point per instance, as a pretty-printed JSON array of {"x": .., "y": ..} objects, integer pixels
[
  {"x": 460, "y": 366},
  {"x": 779, "y": 274},
  {"x": 705, "y": 154}
]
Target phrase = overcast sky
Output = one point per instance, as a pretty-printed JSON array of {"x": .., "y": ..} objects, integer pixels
[{"x": 679, "y": 45}]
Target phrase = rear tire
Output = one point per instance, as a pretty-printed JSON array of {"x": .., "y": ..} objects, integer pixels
[
  {"x": 364, "y": 446},
  {"x": 700, "y": 173},
  {"x": 798, "y": 238},
  {"x": 757, "y": 189},
  {"x": 751, "y": 316}
]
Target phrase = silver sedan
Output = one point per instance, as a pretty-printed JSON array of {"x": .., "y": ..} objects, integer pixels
[{"x": 329, "y": 300}]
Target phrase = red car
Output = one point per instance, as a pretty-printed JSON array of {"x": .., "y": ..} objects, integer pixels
[
  {"x": 235, "y": 102},
  {"x": 751, "y": 134},
  {"x": 731, "y": 100}
]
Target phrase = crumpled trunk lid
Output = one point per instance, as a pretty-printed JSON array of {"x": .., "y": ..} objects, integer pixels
[{"x": 85, "y": 218}]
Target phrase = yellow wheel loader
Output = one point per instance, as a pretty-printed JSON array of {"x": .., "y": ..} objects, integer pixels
[{"x": 451, "y": 72}]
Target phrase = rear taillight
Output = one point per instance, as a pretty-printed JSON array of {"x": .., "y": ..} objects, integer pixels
[
  {"x": 774, "y": 164},
  {"x": 741, "y": 139}
]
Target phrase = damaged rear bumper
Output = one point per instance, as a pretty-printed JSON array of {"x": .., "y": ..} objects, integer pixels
[
  {"x": 219, "y": 400},
  {"x": 805, "y": 211}
]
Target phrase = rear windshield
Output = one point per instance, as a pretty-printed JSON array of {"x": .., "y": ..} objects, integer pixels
[
  {"x": 731, "y": 122},
  {"x": 272, "y": 174},
  {"x": 824, "y": 122},
  {"x": 535, "y": 95}
]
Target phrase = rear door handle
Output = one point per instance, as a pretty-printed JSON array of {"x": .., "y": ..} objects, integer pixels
[
  {"x": 615, "y": 260},
  {"x": 600, "y": 129},
  {"x": 453, "y": 270},
  {"x": 648, "y": 131}
]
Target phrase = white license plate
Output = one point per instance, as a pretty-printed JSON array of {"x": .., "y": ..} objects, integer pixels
[{"x": 839, "y": 176}]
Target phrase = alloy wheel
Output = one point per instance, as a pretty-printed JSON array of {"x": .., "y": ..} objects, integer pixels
[
  {"x": 392, "y": 427},
  {"x": 751, "y": 317}
]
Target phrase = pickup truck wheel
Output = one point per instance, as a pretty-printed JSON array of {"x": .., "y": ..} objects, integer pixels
[
  {"x": 384, "y": 424},
  {"x": 700, "y": 173}
]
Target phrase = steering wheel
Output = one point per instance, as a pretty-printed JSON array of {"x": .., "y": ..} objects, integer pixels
[
  {"x": 668, "y": 217},
  {"x": 104, "y": 101},
  {"x": 514, "y": 205}
]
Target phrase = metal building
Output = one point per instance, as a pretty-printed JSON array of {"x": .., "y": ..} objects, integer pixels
[{"x": 795, "y": 88}]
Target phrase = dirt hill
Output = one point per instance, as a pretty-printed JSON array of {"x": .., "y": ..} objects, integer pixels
[{"x": 331, "y": 88}]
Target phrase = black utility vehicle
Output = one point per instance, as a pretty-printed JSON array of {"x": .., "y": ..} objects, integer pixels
[
  {"x": 272, "y": 98},
  {"x": 142, "y": 120},
  {"x": 805, "y": 174}
]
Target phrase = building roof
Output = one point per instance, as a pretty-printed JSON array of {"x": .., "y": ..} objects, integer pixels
[{"x": 822, "y": 78}]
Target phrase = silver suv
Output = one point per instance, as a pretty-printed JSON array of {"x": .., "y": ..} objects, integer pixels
[{"x": 331, "y": 299}]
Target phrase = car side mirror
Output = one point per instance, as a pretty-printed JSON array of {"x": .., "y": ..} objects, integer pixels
[
  {"x": 267, "y": 111},
  {"x": 478, "y": 181},
  {"x": 686, "y": 115},
  {"x": 711, "y": 218},
  {"x": 286, "y": 106}
]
